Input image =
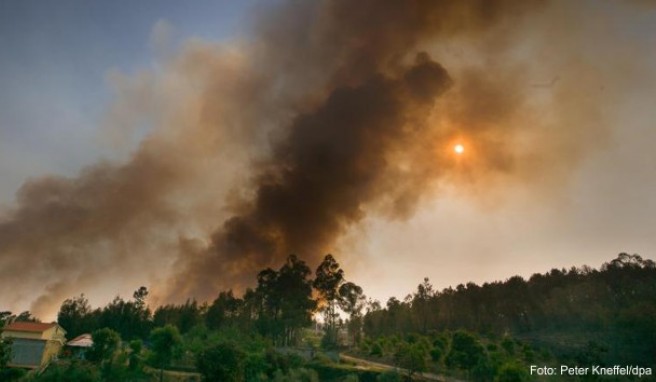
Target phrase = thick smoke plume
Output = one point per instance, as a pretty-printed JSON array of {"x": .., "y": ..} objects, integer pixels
[
  {"x": 334, "y": 162},
  {"x": 331, "y": 111}
]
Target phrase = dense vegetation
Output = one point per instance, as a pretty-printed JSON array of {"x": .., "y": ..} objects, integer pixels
[
  {"x": 609, "y": 312},
  {"x": 492, "y": 332}
]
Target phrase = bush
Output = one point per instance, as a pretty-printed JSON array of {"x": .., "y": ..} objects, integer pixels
[
  {"x": 256, "y": 367},
  {"x": 76, "y": 371},
  {"x": 483, "y": 371},
  {"x": 466, "y": 351},
  {"x": 7, "y": 375},
  {"x": 105, "y": 344},
  {"x": 222, "y": 362},
  {"x": 376, "y": 349},
  {"x": 390, "y": 376},
  {"x": 411, "y": 357},
  {"x": 512, "y": 373},
  {"x": 508, "y": 345},
  {"x": 297, "y": 375},
  {"x": 436, "y": 354}
]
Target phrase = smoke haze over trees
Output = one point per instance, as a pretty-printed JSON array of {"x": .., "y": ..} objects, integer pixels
[{"x": 582, "y": 316}]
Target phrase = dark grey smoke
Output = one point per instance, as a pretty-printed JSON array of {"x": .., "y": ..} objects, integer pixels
[
  {"x": 369, "y": 116},
  {"x": 331, "y": 111}
]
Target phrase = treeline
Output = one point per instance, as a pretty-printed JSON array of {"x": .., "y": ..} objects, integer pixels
[
  {"x": 609, "y": 312},
  {"x": 277, "y": 308},
  {"x": 581, "y": 316},
  {"x": 233, "y": 338}
]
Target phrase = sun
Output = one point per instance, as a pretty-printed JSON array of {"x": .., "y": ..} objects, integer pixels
[{"x": 459, "y": 149}]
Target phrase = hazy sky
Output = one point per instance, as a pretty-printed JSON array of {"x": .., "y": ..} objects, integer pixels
[
  {"x": 65, "y": 64},
  {"x": 56, "y": 56}
]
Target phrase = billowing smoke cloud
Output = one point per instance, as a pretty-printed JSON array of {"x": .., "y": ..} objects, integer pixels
[
  {"x": 333, "y": 163},
  {"x": 331, "y": 111}
]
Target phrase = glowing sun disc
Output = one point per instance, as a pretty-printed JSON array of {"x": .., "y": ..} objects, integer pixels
[{"x": 459, "y": 149}]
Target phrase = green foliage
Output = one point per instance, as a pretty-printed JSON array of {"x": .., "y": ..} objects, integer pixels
[
  {"x": 7, "y": 374},
  {"x": 390, "y": 376},
  {"x": 105, "y": 345},
  {"x": 140, "y": 296},
  {"x": 11, "y": 374},
  {"x": 421, "y": 308},
  {"x": 376, "y": 349},
  {"x": 26, "y": 316},
  {"x": 75, "y": 316},
  {"x": 223, "y": 311},
  {"x": 296, "y": 375},
  {"x": 338, "y": 373},
  {"x": 5, "y": 351},
  {"x": 131, "y": 319},
  {"x": 352, "y": 301},
  {"x": 436, "y": 354},
  {"x": 560, "y": 310},
  {"x": 412, "y": 357},
  {"x": 135, "y": 358},
  {"x": 233, "y": 338},
  {"x": 483, "y": 371},
  {"x": 75, "y": 371},
  {"x": 529, "y": 354},
  {"x": 256, "y": 366},
  {"x": 184, "y": 317},
  {"x": 464, "y": 354},
  {"x": 512, "y": 372},
  {"x": 466, "y": 351},
  {"x": 328, "y": 279},
  {"x": 222, "y": 362},
  {"x": 4, "y": 316},
  {"x": 282, "y": 301},
  {"x": 164, "y": 342},
  {"x": 508, "y": 345},
  {"x": 440, "y": 342}
]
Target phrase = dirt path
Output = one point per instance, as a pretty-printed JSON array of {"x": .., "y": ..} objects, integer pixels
[{"x": 370, "y": 365}]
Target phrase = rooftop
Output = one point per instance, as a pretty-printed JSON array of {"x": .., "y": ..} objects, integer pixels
[
  {"x": 83, "y": 341},
  {"x": 35, "y": 327}
]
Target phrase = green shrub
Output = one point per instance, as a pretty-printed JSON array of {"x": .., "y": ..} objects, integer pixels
[
  {"x": 376, "y": 349},
  {"x": 436, "y": 354},
  {"x": 76, "y": 371},
  {"x": 390, "y": 376},
  {"x": 222, "y": 362},
  {"x": 8, "y": 375},
  {"x": 511, "y": 372}
]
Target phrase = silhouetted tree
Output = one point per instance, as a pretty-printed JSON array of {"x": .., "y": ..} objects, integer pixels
[
  {"x": 75, "y": 316},
  {"x": 421, "y": 304},
  {"x": 25, "y": 316},
  {"x": 294, "y": 291},
  {"x": 4, "y": 317},
  {"x": 184, "y": 316},
  {"x": 328, "y": 278},
  {"x": 282, "y": 302},
  {"x": 352, "y": 301},
  {"x": 224, "y": 311},
  {"x": 131, "y": 319},
  {"x": 140, "y": 296}
]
